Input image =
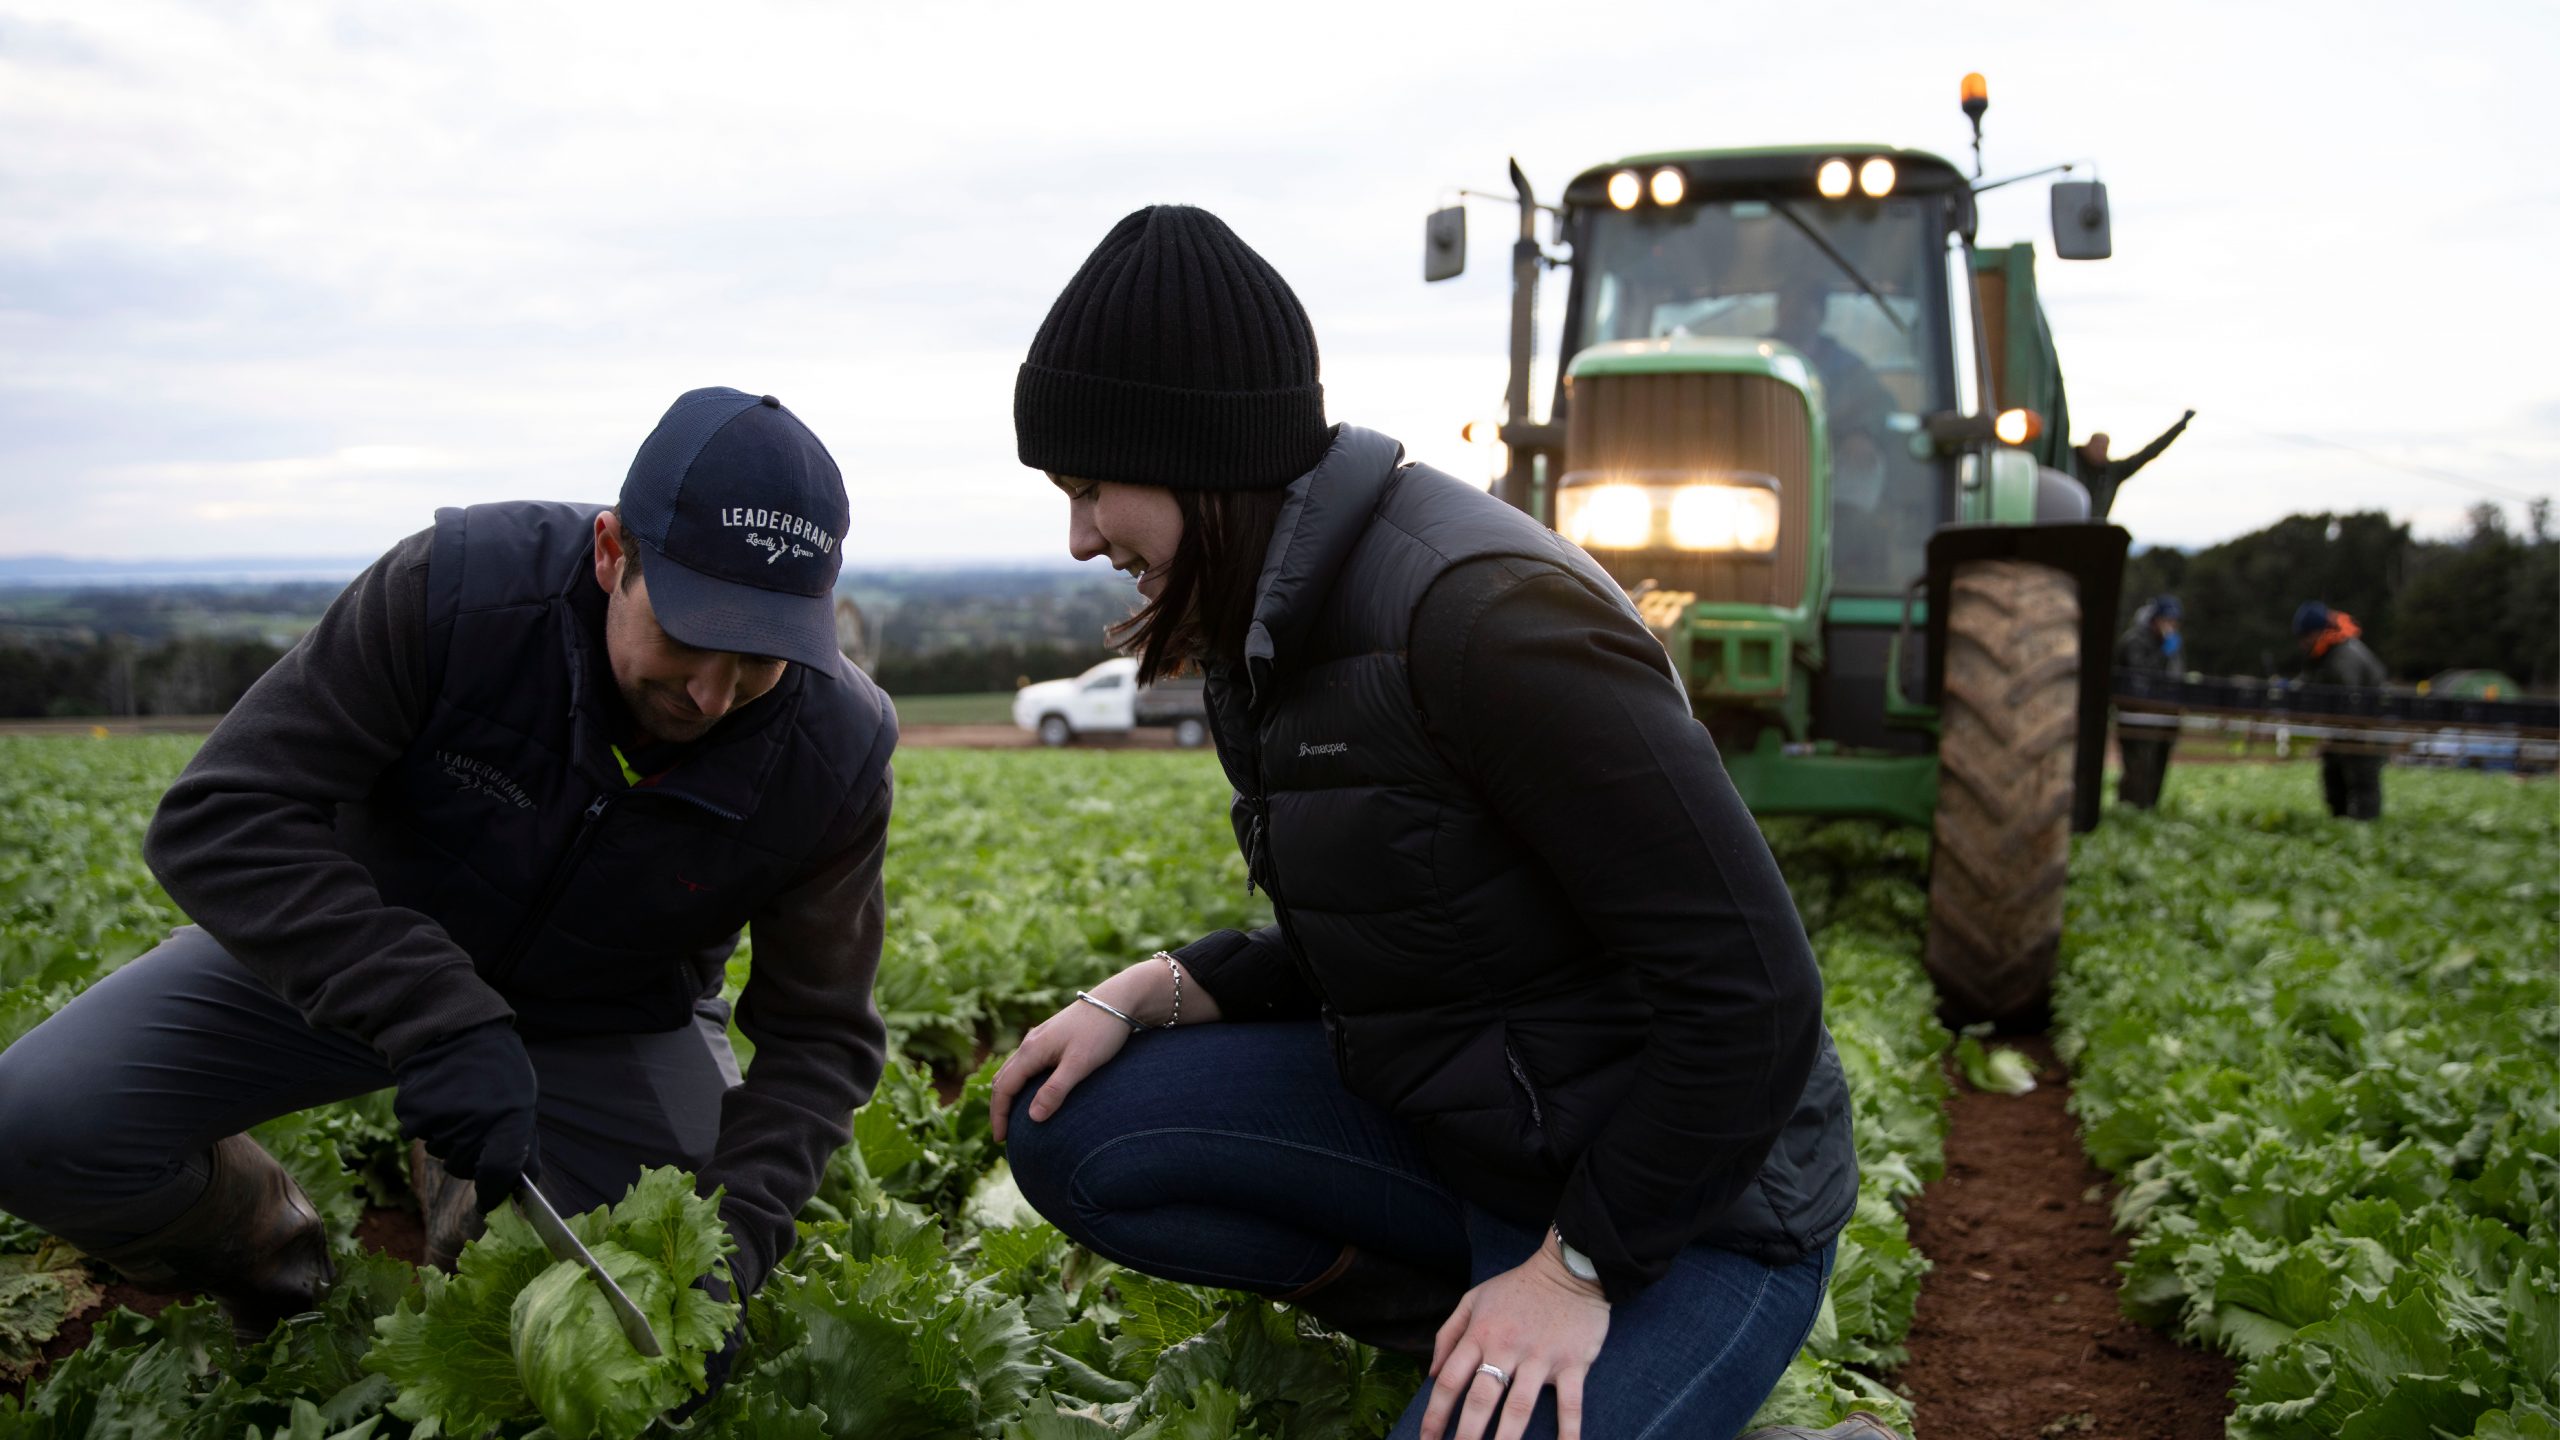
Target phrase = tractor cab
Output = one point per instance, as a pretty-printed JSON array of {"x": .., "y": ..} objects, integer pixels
[{"x": 1839, "y": 305}]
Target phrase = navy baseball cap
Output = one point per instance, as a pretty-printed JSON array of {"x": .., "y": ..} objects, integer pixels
[{"x": 742, "y": 515}]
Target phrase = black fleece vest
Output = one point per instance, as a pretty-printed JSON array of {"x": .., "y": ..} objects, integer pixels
[
  {"x": 592, "y": 905},
  {"x": 1462, "y": 992}
]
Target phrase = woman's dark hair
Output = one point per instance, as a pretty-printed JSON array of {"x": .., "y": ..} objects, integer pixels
[{"x": 1207, "y": 602}]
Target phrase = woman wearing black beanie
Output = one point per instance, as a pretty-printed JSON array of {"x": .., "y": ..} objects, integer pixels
[{"x": 1530, "y": 1077}]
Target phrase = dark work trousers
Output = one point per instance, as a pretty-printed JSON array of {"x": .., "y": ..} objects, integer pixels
[
  {"x": 2352, "y": 784},
  {"x": 109, "y": 1109},
  {"x": 2146, "y": 765}
]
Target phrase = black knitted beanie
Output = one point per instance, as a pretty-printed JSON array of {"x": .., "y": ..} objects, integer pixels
[{"x": 1175, "y": 357}]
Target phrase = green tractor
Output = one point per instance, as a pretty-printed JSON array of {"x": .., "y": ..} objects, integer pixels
[{"x": 1818, "y": 434}]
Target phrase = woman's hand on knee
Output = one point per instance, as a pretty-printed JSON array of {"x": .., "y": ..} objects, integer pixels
[
  {"x": 1069, "y": 1045},
  {"x": 1082, "y": 1038},
  {"x": 1537, "y": 1326}
]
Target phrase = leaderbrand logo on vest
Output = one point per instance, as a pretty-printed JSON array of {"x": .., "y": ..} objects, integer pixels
[
  {"x": 1337, "y": 747},
  {"x": 469, "y": 774},
  {"x": 778, "y": 533}
]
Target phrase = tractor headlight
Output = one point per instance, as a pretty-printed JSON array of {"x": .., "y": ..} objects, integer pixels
[
  {"x": 1724, "y": 517},
  {"x": 1668, "y": 185},
  {"x": 1832, "y": 179},
  {"x": 1876, "y": 177},
  {"x": 1606, "y": 517},
  {"x": 1625, "y": 189},
  {"x": 1737, "y": 513}
]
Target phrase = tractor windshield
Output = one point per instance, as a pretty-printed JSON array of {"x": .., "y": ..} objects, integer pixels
[{"x": 1864, "y": 304}]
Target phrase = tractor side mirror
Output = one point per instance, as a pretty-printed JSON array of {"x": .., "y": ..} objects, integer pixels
[
  {"x": 1444, "y": 243},
  {"x": 2080, "y": 225}
]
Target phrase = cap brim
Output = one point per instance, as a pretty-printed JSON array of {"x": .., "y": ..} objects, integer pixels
[{"x": 714, "y": 614}]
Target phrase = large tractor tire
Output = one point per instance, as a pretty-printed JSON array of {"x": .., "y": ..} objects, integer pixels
[{"x": 2009, "y": 724}]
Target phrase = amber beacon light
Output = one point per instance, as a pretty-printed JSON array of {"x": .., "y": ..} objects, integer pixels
[{"x": 1977, "y": 98}]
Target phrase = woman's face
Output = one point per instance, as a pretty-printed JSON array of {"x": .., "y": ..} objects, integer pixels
[{"x": 1136, "y": 527}]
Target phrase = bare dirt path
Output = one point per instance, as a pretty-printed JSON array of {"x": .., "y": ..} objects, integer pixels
[{"x": 2018, "y": 1335}]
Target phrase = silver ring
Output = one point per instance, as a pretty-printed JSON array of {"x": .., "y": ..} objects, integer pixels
[{"x": 1500, "y": 1377}]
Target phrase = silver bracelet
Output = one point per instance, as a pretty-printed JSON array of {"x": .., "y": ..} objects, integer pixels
[
  {"x": 1107, "y": 1008},
  {"x": 1168, "y": 959}
]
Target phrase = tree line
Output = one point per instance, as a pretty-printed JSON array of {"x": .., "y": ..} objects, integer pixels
[
  {"x": 2488, "y": 599},
  {"x": 117, "y": 675}
]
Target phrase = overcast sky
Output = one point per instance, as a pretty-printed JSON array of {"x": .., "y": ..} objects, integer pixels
[{"x": 282, "y": 278}]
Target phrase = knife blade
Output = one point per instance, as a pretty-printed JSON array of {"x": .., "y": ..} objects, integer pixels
[{"x": 563, "y": 1245}]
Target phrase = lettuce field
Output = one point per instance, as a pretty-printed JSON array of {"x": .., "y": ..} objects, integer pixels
[{"x": 2321, "y": 1058}]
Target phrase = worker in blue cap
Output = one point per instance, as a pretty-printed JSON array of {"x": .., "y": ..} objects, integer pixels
[{"x": 2150, "y": 645}]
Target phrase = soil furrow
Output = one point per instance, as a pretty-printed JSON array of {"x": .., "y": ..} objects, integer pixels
[{"x": 2018, "y": 1335}]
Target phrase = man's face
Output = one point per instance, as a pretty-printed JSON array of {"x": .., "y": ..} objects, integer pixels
[
  {"x": 675, "y": 692},
  {"x": 2164, "y": 625}
]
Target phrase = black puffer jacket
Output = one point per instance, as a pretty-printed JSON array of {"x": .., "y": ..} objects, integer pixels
[{"x": 1463, "y": 988}]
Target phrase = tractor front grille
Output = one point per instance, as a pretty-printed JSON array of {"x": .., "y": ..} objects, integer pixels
[{"x": 1704, "y": 423}]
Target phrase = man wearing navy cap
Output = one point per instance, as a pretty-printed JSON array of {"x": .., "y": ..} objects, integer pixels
[
  {"x": 488, "y": 836},
  {"x": 2150, "y": 644}
]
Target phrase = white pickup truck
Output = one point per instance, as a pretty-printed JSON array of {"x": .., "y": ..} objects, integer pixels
[{"x": 1108, "y": 700}]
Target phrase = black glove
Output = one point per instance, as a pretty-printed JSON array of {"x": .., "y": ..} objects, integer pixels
[{"x": 470, "y": 1097}]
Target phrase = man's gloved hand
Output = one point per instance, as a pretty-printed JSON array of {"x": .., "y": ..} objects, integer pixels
[{"x": 470, "y": 1097}]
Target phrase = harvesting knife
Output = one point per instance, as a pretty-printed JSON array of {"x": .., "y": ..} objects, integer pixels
[{"x": 563, "y": 1245}]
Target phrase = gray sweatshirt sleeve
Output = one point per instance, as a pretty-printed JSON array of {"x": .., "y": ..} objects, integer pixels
[
  {"x": 246, "y": 843},
  {"x": 819, "y": 1043}
]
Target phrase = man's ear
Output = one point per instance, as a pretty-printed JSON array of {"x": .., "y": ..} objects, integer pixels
[{"x": 609, "y": 554}]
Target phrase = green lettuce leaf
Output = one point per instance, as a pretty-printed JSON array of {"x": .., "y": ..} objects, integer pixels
[
  {"x": 573, "y": 1359},
  {"x": 37, "y": 1293},
  {"x": 451, "y": 1348},
  {"x": 1998, "y": 1070},
  {"x": 872, "y": 1326}
]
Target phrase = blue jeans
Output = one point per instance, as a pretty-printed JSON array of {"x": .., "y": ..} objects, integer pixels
[{"x": 1231, "y": 1155}]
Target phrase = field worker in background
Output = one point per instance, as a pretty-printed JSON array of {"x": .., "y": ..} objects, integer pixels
[
  {"x": 1530, "y": 1079},
  {"x": 2351, "y": 779},
  {"x": 2150, "y": 645},
  {"x": 2104, "y": 476},
  {"x": 488, "y": 835}
]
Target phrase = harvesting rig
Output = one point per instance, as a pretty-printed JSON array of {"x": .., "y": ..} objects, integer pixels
[{"x": 1818, "y": 433}]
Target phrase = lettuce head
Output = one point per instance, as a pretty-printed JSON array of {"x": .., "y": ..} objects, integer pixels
[{"x": 515, "y": 1335}]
